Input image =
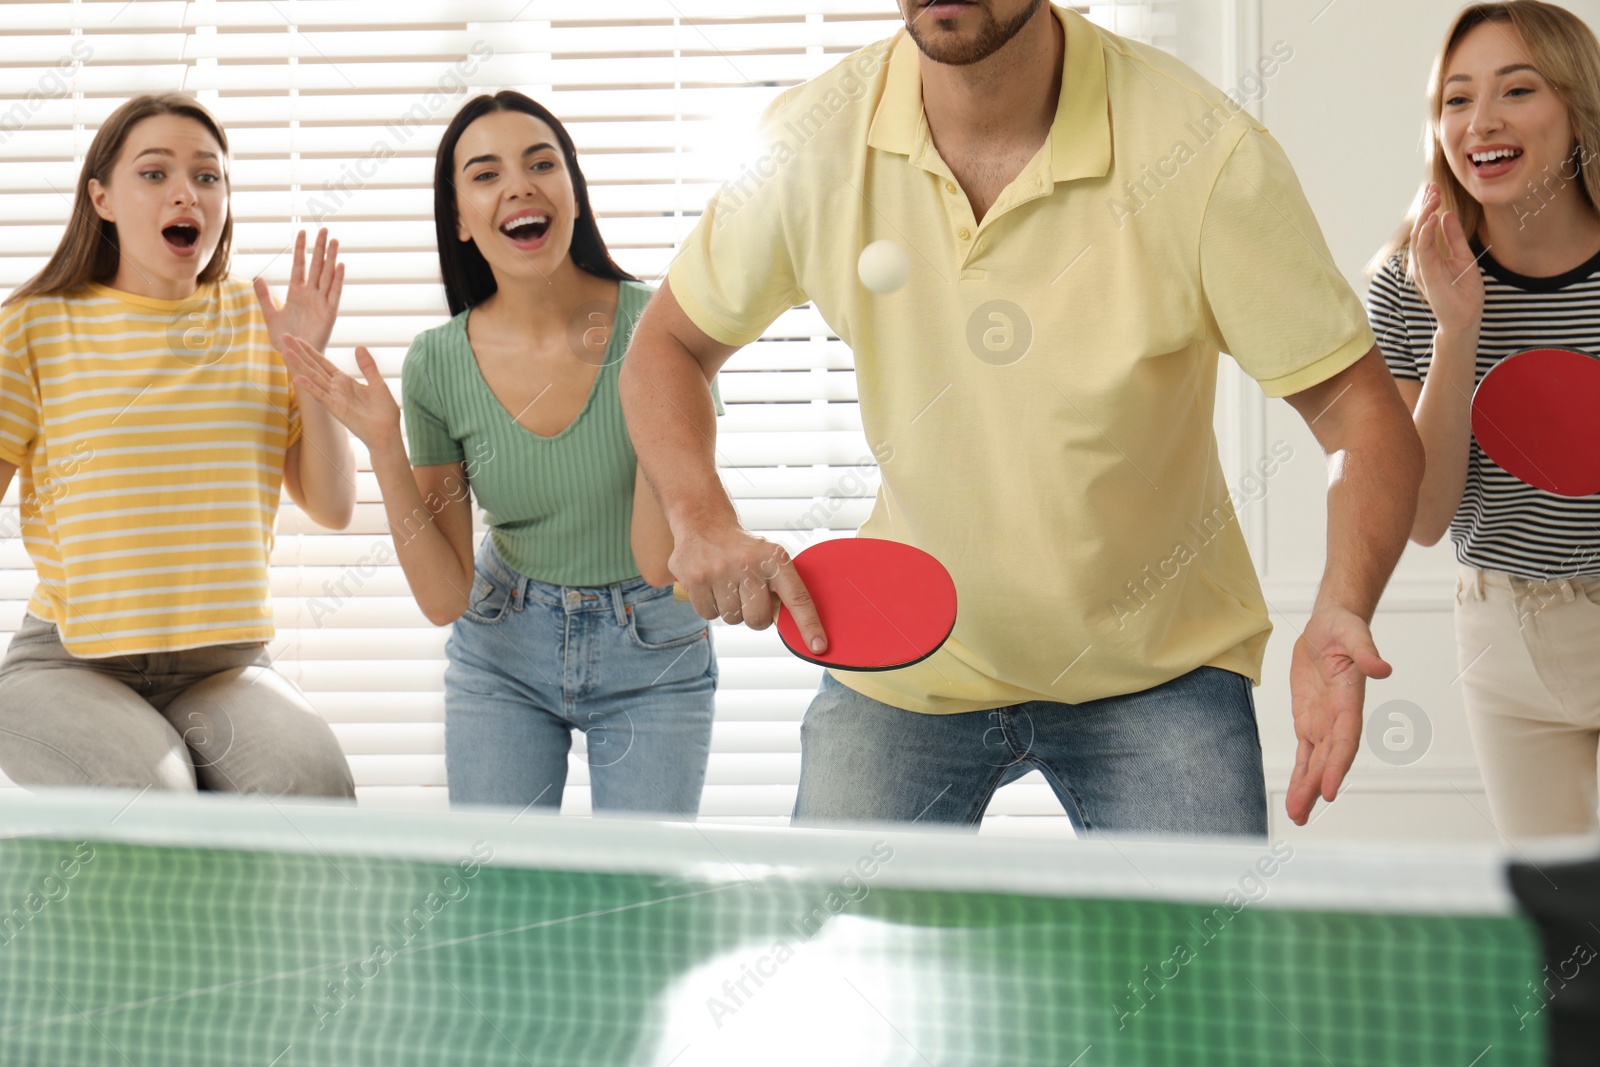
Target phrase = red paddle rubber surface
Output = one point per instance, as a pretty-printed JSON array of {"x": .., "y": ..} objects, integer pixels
[
  {"x": 1534, "y": 415},
  {"x": 883, "y": 604}
]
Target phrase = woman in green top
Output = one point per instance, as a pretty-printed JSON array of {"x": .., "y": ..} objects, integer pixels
[{"x": 565, "y": 620}]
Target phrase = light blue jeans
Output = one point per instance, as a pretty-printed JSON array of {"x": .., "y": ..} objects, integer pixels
[
  {"x": 529, "y": 662},
  {"x": 1181, "y": 758}
]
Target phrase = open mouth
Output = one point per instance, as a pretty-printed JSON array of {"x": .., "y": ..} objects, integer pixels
[
  {"x": 1499, "y": 159},
  {"x": 526, "y": 229},
  {"x": 181, "y": 235}
]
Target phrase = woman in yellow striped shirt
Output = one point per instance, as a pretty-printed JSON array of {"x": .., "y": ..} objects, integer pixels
[{"x": 145, "y": 404}]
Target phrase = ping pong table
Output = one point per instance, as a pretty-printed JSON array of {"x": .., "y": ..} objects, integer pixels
[{"x": 246, "y": 932}]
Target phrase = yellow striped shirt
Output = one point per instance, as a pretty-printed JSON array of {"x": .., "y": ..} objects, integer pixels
[{"x": 150, "y": 438}]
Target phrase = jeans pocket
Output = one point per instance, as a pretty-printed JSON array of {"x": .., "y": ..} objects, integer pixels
[
  {"x": 489, "y": 600},
  {"x": 34, "y": 631},
  {"x": 661, "y": 622},
  {"x": 1587, "y": 589},
  {"x": 1247, "y": 706}
]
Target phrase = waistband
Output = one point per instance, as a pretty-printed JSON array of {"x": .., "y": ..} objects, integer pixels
[
  {"x": 617, "y": 597},
  {"x": 1475, "y": 583}
]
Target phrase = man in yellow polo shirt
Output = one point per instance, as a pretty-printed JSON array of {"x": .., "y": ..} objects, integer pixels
[{"x": 1088, "y": 224}]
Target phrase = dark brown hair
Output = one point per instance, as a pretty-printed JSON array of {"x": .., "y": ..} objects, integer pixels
[{"x": 468, "y": 280}]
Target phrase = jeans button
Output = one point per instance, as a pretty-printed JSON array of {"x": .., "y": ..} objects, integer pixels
[{"x": 574, "y": 598}]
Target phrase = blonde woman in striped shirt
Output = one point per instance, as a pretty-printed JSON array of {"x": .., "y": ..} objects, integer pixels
[
  {"x": 143, "y": 400},
  {"x": 1503, "y": 255}
]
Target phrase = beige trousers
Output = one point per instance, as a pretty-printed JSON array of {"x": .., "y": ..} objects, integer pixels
[
  {"x": 215, "y": 718},
  {"x": 1530, "y": 660}
]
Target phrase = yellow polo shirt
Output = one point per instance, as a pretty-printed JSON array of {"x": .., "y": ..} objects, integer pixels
[{"x": 1040, "y": 393}]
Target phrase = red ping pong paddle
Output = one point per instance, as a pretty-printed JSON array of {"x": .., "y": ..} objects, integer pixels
[
  {"x": 1534, "y": 415},
  {"x": 883, "y": 605}
]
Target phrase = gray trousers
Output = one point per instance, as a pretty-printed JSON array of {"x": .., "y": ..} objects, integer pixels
[{"x": 216, "y": 718}]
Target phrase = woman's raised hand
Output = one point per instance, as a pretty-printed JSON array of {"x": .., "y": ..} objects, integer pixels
[
  {"x": 1450, "y": 282},
  {"x": 367, "y": 410},
  {"x": 312, "y": 302}
]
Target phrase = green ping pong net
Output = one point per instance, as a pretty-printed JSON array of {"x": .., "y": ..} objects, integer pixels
[{"x": 242, "y": 932}]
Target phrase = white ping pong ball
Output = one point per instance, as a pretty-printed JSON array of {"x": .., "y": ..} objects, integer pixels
[{"x": 883, "y": 266}]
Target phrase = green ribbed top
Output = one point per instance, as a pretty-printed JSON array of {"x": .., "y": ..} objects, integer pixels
[{"x": 560, "y": 509}]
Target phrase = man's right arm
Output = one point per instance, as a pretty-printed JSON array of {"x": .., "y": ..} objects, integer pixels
[{"x": 666, "y": 400}]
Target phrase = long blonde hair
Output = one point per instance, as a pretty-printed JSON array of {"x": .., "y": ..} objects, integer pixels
[
  {"x": 89, "y": 251},
  {"x": 1567, "y": 54}
]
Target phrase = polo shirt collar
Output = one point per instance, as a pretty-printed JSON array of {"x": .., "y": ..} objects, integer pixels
[{"x": 1080, "y": 136}]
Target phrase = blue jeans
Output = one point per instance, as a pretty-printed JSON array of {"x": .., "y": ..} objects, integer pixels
[
  {"x": 529, "y": 662},
  {"x": 1182, "y": 758}
]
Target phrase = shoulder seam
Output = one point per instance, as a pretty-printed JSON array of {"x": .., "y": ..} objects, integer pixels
[{"x": 1112, "y": 44}]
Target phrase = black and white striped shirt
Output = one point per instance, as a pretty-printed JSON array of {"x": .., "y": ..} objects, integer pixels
[{"x": 1503, "y": 524}]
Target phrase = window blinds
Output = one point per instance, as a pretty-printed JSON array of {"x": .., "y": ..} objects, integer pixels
[{"x": 334, "y": 110}]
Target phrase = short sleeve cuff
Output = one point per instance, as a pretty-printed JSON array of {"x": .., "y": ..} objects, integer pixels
[
  {"x": 1344, "y": 356},
  {"x": 10, "y": 455},
  {"x": 686, "y": 293},
  {"x": 293, "y": 429}
]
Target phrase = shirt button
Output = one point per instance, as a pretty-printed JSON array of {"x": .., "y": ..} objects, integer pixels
[
  {"x": 964, "y": 233},
  {"x": 950, "y": 187}
]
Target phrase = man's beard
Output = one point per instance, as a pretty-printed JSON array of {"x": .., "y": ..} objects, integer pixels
[{"x": 992, "y": 36}]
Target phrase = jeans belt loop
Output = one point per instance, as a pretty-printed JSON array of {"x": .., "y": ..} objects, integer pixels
[{"x": 617, "y": 606}]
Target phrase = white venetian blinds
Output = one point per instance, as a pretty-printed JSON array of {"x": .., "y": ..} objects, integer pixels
[{"x": 334, "y": 109}]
